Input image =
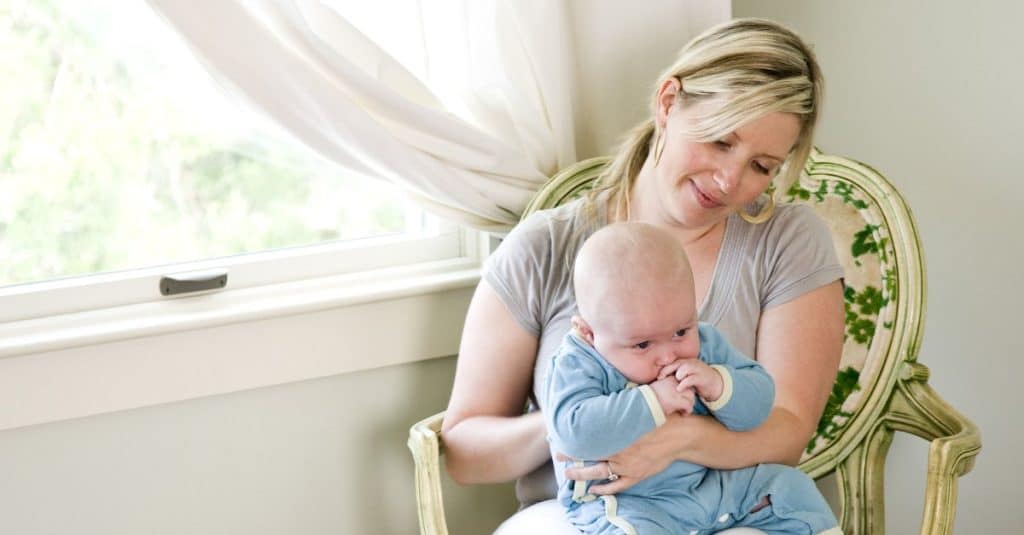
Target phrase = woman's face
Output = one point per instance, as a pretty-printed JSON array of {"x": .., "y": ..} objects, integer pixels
[{"x": 700, "y": 183}]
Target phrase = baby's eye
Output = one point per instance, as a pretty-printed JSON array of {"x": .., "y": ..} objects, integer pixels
[
  {"x": 722, "y": 144},
  {"x": 642, "y": 345},
  {"x": 680, "y": 333}
]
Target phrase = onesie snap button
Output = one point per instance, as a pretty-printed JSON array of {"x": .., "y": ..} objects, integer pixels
[{"x": 724, "y": 518}]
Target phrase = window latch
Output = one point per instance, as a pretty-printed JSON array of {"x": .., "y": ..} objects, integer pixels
[{"x": 193, "y": 281}]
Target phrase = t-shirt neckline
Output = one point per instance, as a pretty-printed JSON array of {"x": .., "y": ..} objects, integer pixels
[{"x": 724, "y": 276}]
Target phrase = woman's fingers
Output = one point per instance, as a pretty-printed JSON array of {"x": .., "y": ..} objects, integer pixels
[
  {"x": 600, "y": 472},
  {"x": 612, "y": 487},
  {"x": 596, "y": 471}
]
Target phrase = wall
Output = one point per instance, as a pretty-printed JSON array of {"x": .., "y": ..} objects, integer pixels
[
  {"x": 928, "y": 94},
  {"x": 621, "y": 49},
  {"x": 324, "y": 456},
  {"x": 289, "y": 424}
]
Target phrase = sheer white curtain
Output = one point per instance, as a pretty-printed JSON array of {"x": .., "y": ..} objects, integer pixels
[
  {"x": 467, "y": 104},
  {"x": 474, "y": 150}
]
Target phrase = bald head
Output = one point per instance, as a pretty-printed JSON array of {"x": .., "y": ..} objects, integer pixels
[{"x": 628, "y": 261}]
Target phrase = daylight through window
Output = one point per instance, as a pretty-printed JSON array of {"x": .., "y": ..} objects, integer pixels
[{"x": 121, "y": 152}]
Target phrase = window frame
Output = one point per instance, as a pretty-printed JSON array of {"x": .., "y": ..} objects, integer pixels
[{"x": 85, "y": 310}]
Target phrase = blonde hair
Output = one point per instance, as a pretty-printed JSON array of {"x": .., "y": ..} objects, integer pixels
[{"x": 751, "y": 67}]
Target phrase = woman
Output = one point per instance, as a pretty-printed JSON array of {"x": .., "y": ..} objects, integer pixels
[{"x": 735, "y": 111}]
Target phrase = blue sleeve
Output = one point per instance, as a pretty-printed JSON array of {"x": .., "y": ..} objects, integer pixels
[
  {"x": 749, "y": 398},
  {"x": 583, "y": 421}
]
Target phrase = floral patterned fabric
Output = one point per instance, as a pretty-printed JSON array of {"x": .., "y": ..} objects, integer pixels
[{"x": 862, "y": 244}]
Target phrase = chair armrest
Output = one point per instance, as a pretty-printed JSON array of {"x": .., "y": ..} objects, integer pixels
[
  {"x": 955, "y": 442},
  {"x": 426, "y": 446}
]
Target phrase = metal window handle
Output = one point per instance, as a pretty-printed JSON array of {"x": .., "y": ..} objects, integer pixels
[{"x": 193, "y": 281}]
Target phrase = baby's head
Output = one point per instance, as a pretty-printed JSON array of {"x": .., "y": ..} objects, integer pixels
[{"x": 634, "y": 291}]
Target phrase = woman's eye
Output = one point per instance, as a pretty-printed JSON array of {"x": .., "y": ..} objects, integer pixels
[
  {"x": 642, "y": 345},
  {"x": 761, "y": 169},
  {"x": 680, "y": 333}
]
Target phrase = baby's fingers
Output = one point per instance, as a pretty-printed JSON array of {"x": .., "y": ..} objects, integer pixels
[
  {"x": 688, "y": 382},
  {"x": 669, "y": 370}
]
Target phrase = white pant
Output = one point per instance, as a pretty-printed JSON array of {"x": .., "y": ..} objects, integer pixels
[{"x": 547, "y": 517}]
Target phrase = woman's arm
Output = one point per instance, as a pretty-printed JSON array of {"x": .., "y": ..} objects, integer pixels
[
  {"x": 800, "y": 344},
  {"x": 486, "y": 436}
]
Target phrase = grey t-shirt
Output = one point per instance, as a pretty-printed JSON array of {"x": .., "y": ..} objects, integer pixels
[{"x": 758, "y": 267}]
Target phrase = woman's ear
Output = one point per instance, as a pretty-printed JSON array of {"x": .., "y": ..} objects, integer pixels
[
  {"x": 668, "y": 93},
  {"x": 582, "y": 329}
]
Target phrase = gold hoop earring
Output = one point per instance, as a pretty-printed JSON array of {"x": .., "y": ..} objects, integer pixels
[
  {"x": 766, "y": 211},
  {"x": 659, "y": 146}
]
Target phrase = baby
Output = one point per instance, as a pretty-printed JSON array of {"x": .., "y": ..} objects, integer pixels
[{"x": 637, "y": 353}]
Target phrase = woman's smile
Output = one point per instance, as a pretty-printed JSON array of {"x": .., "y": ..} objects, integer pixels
[{"x": 703, "y": 199}]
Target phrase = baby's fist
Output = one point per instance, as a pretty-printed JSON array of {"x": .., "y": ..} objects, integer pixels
[
  {"x": 696, "y": 375},
  {"x": 671, "y": 398}
]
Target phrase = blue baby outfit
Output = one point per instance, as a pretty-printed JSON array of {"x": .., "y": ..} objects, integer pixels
[{"x": 593, "y": 412}]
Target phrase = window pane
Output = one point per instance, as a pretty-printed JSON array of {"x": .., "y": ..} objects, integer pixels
[{"x": 121, "y": 152}]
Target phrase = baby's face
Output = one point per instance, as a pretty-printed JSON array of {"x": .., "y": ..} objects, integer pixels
[{"x": 641, "y": 336}]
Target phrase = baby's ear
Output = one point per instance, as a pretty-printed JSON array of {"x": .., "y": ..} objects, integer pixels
[{"x": 582, "y": 329}]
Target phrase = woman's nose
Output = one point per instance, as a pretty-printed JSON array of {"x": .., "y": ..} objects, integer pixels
[{"x": 727, "y": 176}]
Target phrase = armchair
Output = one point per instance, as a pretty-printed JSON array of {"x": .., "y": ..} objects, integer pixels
[{"x": 880, "y": 387}]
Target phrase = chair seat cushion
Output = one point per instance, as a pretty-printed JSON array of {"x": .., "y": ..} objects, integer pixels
[{"x": 548, "y": 518}]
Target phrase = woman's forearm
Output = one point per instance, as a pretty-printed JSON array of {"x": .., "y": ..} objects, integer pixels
[
  {"x": 780, "y": 439},
  {"x": 494, "y": 449}
]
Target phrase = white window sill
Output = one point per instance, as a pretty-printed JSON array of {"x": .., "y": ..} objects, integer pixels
[
  {"x": 95, "y": 362},
  {"x": 226, "y": 307}
]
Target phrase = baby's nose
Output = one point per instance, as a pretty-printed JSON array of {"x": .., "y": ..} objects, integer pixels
[{"x": 666, "y": 358}]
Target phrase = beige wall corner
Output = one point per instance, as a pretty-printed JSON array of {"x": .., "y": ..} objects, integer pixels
[{"x": 928, "y": 94}]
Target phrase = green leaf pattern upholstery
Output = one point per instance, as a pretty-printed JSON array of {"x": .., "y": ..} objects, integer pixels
[{"x": 862, "y": 243}]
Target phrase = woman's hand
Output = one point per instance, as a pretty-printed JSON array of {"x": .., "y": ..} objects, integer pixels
[{"x": 649, "y": 455}]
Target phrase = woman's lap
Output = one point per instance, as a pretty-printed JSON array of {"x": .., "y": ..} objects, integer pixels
[
  {"x": 547, "y": 517},
  {"x": 544, "y": 517}
]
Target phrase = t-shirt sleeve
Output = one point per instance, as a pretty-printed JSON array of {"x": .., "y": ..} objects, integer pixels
[
  {"x": 518, "y": 270},
  {"x": 799, "y": 256}
]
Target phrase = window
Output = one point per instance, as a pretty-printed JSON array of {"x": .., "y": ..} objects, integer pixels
[{"x": 123, "y": 161}]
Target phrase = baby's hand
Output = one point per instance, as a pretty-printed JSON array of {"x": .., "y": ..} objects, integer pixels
[
  {"x": 671, "y": 398},
  {"x": 694, "y": 374}
]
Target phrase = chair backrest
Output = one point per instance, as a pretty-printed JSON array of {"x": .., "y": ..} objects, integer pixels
[{"x": 878, "y": 245}]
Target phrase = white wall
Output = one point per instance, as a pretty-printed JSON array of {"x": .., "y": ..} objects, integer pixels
[
  {"x": 324, "y": 456},
  {"x": 271, "y": 454},
  {"x": 928, "y": 93},
  {"x": 622, "y": 48}
]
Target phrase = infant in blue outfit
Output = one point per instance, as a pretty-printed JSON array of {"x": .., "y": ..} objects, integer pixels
[{"x": 637, "y": 353}]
